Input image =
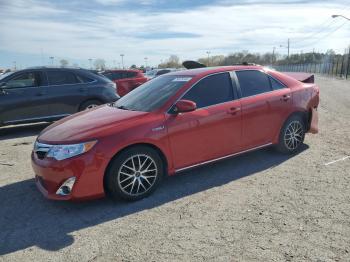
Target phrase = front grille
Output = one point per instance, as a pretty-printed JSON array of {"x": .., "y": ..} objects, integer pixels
[{"x": 41, "y": 150}]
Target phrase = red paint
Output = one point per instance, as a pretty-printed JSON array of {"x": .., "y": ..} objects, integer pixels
[
  {"x": 125, "y": 85},
  {"x": 185, "y": 139}
]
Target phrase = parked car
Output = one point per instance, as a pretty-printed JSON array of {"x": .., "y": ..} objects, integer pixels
[
  {"x": 172, "y": 123},
  {"x": 126, "y": 80},
  {"x": 157, "y": 72},
  {"x": 47, "y": 94}
]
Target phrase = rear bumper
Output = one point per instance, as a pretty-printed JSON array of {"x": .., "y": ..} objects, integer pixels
[{"x": 314, "y": 121}]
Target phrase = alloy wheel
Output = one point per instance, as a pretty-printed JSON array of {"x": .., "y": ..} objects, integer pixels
[
  {"x": 294, "y": 134},
  {"x": 91, "y": 106},
  {"x": 137, "y": 174}
]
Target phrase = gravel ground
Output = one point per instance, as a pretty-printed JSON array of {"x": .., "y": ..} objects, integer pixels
[{"x": 255, "y": 207}]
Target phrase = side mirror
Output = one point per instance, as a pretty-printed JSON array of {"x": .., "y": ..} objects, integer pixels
[{"x": 183, "y": 106}]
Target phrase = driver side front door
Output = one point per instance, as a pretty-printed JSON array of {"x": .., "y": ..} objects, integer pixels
[
  {"x": 213, "y": 130},
  {"x": 23, "y": 98}
]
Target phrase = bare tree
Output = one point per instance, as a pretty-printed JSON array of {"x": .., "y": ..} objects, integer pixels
[
  {"x": 100, "y": 64},
  {"x": 64, "y": 62}
]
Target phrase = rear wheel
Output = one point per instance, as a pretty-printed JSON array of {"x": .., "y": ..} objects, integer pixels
[
  {"x": 292, "y": 135},
  {"x": 134, "y": 174},
  {"x": 89, "y": 104}
]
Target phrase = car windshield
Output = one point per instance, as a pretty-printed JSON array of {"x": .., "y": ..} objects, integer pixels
[
  {"x": 153, "y": 94},
  {"x": 5, "y": 75}
]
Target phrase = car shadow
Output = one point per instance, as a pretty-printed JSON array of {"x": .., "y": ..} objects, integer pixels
[
  {"x": 10, "y": 132},
  {"x": 28, "y": 219}
]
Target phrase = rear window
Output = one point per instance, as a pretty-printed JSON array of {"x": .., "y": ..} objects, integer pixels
[
  {"x": 61, "y": 78},
  {"x": 131, "y": 74},
  {"x": 253, "y": 82},
  {"x": 276, "y": 84}
]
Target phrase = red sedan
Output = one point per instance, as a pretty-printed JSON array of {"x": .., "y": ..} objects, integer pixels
[
  {"x": 172, "y": 123},
  {"x": 126, "y": 80}
]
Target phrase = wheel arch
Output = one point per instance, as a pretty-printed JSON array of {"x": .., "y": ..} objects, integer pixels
[
  {"x": 145, "y": 144},
  {"x": 88, "y": 99},
  {"x": 305, "y": 115}
]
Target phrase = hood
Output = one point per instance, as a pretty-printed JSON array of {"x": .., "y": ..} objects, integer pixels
[{"x": 88, "y": 125}]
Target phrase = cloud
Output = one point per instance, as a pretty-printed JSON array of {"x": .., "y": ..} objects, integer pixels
[{"x": 78, "y": 30}]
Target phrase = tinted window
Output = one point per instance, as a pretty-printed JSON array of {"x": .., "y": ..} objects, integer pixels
[
  {"x": 211, "y": 90},
  {"x": 29, "y": 79},
  {"x": 61, "y": 78},
  {"x": 131, "y": 74},
  {"x": 162, "y": 72},
  {"x": 276, "y": 84},
  {"x": 253, "y": 82},
  {"x": 153, "y": 94},
  {"x": 84, "y": 79}
]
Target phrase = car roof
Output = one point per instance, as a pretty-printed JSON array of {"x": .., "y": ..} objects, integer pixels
[{"x": 213, "y": 70}]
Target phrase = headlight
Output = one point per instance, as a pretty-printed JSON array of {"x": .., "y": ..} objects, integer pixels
[{"x": 60, "y": 152}]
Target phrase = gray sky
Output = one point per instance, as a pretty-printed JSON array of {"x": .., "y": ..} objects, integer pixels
[{"x": 34, "y": 30}]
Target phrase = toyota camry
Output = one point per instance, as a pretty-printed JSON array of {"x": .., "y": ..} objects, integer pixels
[{"x": 172, "y": 123}]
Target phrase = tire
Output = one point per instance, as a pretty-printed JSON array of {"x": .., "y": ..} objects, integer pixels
[
  {"x": 126, "y": 177},
  {"x": 89, "y": 104},
  {"x": 291, "y": 135}
]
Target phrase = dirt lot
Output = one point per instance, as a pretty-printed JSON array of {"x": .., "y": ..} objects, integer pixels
[{"x": 260, "y": 206}]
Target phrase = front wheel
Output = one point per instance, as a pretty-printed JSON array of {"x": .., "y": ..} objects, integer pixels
[
  {"x": 292, "y": 135},
  {"x": 89, "y": 104},
  {"x": 134, "y": 174}
]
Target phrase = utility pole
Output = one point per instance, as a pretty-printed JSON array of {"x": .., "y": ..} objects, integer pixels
[
  {"x": 52, "y": 58},
  {"x": 208, "y": 52},
  {"x": 273, "y": 55},
  {"x": 15, "y": 65},
  {"x": 146, "y": 58},
  {"x": 288, "y": 46},
  {"x": 347, "y": 70},
  {"x": 122, "y": 56}
]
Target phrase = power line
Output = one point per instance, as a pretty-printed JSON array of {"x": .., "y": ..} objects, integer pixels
[{"x": 324, "y": 36}]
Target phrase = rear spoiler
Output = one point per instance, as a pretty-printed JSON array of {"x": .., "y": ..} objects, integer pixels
[{"x": 302, "y": 77}]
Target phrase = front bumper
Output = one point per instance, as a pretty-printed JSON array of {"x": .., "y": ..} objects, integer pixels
[{"x": 88, "y": 169}]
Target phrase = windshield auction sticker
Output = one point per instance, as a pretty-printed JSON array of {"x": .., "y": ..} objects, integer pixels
[{"x": 182, "y": 79}]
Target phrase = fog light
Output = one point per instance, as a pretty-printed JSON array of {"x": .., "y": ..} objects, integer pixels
[{"x": 66, "y": 187}]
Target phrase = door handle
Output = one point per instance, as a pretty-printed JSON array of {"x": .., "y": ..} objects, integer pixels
[
  {"x": 285, "y": 98},
  {"x": 234, "y": 110}
]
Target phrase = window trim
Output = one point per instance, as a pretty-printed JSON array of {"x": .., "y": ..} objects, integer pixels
[
  {"x": 259, "y": 70},
  {"x": 184, "y": 93}
]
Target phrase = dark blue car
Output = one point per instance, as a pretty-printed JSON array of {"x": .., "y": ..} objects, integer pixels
[{"x": 47, "y": 94}]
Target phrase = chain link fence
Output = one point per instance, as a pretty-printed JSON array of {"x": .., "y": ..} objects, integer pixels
[{"x": 334, "y": 66}]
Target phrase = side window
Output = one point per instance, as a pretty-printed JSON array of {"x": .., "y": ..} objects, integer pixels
[
  {"x": 253, "y": 82},
  {"x": 29, "y": 79},
  {"x": 84, "y": 79},
  {"x": 61, "y": 78},
  {"x": 276, "y": 84},
  {"x": 211, "y": 90}
]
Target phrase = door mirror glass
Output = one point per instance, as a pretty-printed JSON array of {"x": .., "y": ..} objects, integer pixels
[{"x": 183, "y": 106}]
